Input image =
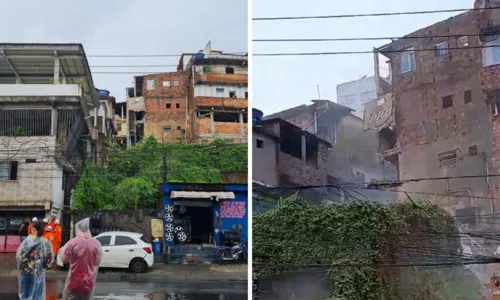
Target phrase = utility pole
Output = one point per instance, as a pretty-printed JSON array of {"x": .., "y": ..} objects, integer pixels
[
  {"x": 319, "y": 94},
  {"x": 495, "y": 287},
  {"x": 164, "y": 167}
]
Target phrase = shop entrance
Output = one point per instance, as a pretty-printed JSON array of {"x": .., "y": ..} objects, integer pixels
[{"x": 196, "y": 222}]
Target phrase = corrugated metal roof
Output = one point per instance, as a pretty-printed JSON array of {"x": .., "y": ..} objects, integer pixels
[{"x": 35, "y": 63}]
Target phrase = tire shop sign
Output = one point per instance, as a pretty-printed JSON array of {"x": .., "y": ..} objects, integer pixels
[{"x": 232, "y": 209}]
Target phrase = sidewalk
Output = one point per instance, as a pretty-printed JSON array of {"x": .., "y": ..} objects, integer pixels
[{"x": 158, "y": 273}]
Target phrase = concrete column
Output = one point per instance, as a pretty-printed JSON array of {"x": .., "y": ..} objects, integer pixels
[
  {"x": 56, "y": 70},
  {"x": 53, "y": 129},
  {"x": 212, "y": 125},
  {"x": 303, "y": 146},
  {"x": 242, "y": 125},
  {"x": 377, "y": 72},
  {"x": 129, "y": 144}
]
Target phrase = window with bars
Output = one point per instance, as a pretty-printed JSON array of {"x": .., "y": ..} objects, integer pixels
[{"x": 25, "y": 122}]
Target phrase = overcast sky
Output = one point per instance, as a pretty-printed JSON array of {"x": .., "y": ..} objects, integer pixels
[
  {"x": 114, "y": 27},
  {"x": 283, "y": 82}
]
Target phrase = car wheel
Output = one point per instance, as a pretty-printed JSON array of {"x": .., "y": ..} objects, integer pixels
[
  {"x": 138, "y": 265},
  {"x": 181, "y": 237}
]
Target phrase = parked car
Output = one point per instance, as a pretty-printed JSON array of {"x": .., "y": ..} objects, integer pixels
[{"x": 123, "y": 250}]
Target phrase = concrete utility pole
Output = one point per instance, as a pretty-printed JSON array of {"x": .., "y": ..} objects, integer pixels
[
  {"x": 127, "y": 115},
  {"x": 495, "y": 287}
]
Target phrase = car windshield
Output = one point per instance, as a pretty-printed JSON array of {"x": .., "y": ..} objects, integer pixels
[{"x": 145, "y": 240}]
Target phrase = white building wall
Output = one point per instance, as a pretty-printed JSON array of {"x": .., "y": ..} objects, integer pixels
[
  {"x": 64, "y": 90},
  {"x": 356, "y": 94},
  {"x": 205, "y": 90}
]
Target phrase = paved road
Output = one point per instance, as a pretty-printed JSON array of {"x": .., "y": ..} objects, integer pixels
[{"x": 143, "y": 291}]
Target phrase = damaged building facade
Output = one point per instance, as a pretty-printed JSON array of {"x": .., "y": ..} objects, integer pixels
[
  {"x": 206, "y": 98},
  {"x": 286, "y": 155},
  {"x": 46, "y": 129},
  {"x": 441, "y": 117},
  {"x": 352, "y": 157}
]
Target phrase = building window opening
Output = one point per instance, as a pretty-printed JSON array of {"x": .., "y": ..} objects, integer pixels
[
  {"x": 150, "y": 85},
  {"x": 168, "y": 105},
  {"x": 441, "y": 49},
  {"x": 139, "y": 81},
  {"x": 448, "y": 159},
  {"x": 468, "y": 96},
  {"x": 388, "y": 139},
  {"x": 491, "y": 52},
  {"x": 25, "y": 122},
  {"x": 495, "y": 104},
  {"x": 196, "y": 220},
  {"x": 8, "y": 170},
  {"x": 176, "y": 83},
  {"x": 219, "y": 92},
  {"x": 167, "y": 129},
  {"x": 245, "y": 117},
  {"x": 447, "y": 101},
  {"x": 246, "y": 95},
  {"x": 229, "y": 70},
  {"x": 473, "y": 150},
  {"x": 408, "y": 62},
  {"x": 227, "y": 117},
  {"x": 179, "y": 127},
  {"x": 139, "y": 115},
  {"x": 166, "y": 84},
  {"x": 177, "y": 105},
  {"x": 232, "y": 94},
  {"x": 260, "y": 143}
]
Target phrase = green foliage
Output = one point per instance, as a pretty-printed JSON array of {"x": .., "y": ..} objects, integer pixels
[
  {"x": 131, "y": 178},
  {"x": 360, "y": 244}
]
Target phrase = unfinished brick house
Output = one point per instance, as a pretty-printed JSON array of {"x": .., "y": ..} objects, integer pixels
[
  {"x": 206, "y": 98},
  {"x": 353, "y": 154},
  {"x": 442, "y": 118},
  {"x": 218, "y": 95},
  {"x": 286, "y": 155}
]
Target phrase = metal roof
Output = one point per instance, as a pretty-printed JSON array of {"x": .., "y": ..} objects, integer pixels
[{"x": 35, "y": 64}]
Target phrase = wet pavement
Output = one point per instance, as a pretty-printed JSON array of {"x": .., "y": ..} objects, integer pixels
[{"x": 142, "y": 291}]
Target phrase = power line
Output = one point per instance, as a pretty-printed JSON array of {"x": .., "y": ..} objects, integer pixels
[
  {"x": 367, "y": 51},
  {"x": 398, "y": 183},
  {"x": 241, "y": 53},
  {"x": 373, "y": 38},
  {"x": 382, "y": 14}
]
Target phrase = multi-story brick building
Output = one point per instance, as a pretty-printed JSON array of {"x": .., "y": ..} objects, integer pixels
[
  {"x": 206, "y": 98},
  {"x": 443, "y": 120}
]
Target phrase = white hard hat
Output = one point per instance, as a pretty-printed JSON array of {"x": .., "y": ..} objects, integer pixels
[
  {"x": 34, "y": 219},
  {"x": 57, "y": 222},
  {"x": 49, "y": 228},
  {"x": 45, "y": 220}
]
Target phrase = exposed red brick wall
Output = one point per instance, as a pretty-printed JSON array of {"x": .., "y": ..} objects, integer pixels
[
  {"x": 222, "y": 77},
  {"x": 419, "y": 93},
  {"x": 158, "y": 116},
  {"x": 221, "y": 102},
  {"x": 173, "y": 91}
]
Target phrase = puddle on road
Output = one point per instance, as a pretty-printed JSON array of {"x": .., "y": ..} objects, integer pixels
[{"x": 8, "y": 290}]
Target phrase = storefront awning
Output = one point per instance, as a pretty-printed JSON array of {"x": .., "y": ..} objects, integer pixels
[{"x": 201, "y": 195}]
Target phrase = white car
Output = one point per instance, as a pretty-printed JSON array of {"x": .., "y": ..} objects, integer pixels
[{"x": 123, "y": 250}]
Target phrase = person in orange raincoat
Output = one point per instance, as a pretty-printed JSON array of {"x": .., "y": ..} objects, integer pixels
[
  {"x": 49, "y": 235},
  {"x": 30, "y": 227},
  {"x": 58, "y": 236}
]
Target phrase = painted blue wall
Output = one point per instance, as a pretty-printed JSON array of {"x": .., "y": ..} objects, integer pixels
[{"x": 229, "y": 212}]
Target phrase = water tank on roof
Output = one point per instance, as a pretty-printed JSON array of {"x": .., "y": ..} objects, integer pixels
[
  {"x": 257, "y": 117},
  {"x": 104, "y": 93},
  {"x": 199, "y": 56}
]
